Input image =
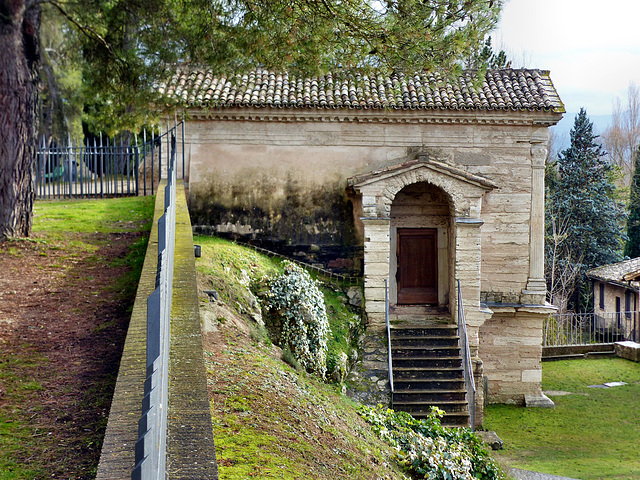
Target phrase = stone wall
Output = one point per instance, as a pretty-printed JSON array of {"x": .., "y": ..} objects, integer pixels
[
  {"x": 511, "y": 348},
  {"x": 282, "y": 176},
  {"x": 612, "y": 291},
  {"x": 270, "y": 177}
]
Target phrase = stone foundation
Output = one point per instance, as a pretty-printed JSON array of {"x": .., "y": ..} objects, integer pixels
[
  {"x": 369, "y": 381},
  {"x": 511, "y": 348}
]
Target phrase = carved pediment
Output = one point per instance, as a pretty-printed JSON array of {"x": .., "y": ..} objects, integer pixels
[
  {"x": 379, "y": 187},
  {"x": 415, "y": 165}
]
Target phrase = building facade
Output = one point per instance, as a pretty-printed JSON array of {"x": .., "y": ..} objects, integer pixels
[{"x": 419, "y": 181}]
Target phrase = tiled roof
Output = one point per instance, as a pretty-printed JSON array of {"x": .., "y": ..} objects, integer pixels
[
  {"x": 528, "y": 90},
  {"x": 617, "y": 272}
]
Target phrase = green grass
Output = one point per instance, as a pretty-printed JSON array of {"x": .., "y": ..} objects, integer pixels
[
  {"x": 88, "y": 216},
  {"x": 592, "y": 433},
  {"x": 68, "y": 227},
  {"x": 271, "y": 421},
  {"x": 15, "y": 436},
  {"x": 70, "y": 221}
]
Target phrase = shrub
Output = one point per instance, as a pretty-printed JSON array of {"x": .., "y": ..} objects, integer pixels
[
  {"x": 298, "y": 305},
  {"x": 429, "y": 450}
]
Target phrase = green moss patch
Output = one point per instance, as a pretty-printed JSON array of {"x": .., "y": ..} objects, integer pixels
[{"x": 271, "y": 421}]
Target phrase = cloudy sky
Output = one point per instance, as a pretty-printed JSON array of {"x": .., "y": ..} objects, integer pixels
[{"x": 592, "y": 48}]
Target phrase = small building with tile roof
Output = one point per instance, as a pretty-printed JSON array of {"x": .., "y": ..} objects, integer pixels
[
  {"x": 615, "y": 297},
  {"x": 417, "y": 180}
]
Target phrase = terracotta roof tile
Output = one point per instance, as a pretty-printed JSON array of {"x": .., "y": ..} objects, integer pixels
[{"x": 501, "y": 90}]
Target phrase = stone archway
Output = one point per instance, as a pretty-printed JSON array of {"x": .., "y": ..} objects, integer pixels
[
  {"x": 464, "y": 192},
  {"x": 421, "y": 236}
]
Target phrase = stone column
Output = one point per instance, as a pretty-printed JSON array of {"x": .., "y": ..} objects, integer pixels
[
  {"x": 376, "y": 267},
  {"x": 535, "y": 290}
]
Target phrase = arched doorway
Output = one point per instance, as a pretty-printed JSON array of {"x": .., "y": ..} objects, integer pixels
[{"x": 421, "y": 238}]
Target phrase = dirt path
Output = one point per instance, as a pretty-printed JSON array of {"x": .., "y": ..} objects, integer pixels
[{"x": 62, "y": 329}]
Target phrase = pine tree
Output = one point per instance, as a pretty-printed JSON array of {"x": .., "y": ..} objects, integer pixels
[
  {"x": 632, "y": 247},
  {"x": 582, "y": 200},
  {"x": 128, "y": 47}
]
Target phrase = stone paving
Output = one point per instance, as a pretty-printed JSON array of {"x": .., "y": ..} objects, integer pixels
[{"x": 527, "y": 475}]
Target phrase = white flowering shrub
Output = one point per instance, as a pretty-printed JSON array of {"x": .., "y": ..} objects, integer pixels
[
  {"x": 297, "y": 302},
  {"x": 429, "y": 450}
]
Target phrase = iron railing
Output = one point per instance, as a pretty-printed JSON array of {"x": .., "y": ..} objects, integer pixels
[
  {"x": 590, "y": 328},
  {"x": 467, "y": 367},
  {"x": 104, "y": 167},
  {"x": 386, "y": 318},
  {"x": 151, "y": 446}
]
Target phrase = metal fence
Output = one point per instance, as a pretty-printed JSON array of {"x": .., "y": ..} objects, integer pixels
[
  {"x": 104, "y": 167},
  {"x": 150, "y": 450},
  {"x": 590, "y": 328}
]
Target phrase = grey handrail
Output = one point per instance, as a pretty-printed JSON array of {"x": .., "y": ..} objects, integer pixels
[
  {"x": 386, "y": 317},
  {"x": 469, "y": 381},
  {"x": 151, "y": 446}
]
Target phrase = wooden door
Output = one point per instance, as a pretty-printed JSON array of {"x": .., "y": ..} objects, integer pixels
[{"x": 417, "y": 274}]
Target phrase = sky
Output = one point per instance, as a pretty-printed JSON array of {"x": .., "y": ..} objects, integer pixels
[{"x": 592, "y": 48}]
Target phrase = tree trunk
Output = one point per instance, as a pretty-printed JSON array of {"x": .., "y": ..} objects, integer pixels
[{"x": 19, "y": 61}]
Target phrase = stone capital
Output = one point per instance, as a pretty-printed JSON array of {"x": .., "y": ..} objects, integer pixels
[{"x": 538, "y": 155}]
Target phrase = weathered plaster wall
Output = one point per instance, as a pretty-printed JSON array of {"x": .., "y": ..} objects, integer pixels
[{"x": 285, "y": 180}]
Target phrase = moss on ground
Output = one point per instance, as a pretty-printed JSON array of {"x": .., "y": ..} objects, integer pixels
[{"x": 271, "y": 421}]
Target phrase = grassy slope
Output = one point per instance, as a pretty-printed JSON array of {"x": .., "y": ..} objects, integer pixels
[
  {"x": 269, "y": 420},
  {"x": 591, "y": 434},
  {"x": 66, "y": 226}
]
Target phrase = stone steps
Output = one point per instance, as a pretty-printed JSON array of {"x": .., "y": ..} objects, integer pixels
[{"x": 427, "y": 369}]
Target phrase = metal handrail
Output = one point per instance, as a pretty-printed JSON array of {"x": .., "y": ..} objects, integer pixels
[
  {"x": 386, "y": 317},
  {"x": 151, "y": 446},
  {"x": 469, "y": 381}
]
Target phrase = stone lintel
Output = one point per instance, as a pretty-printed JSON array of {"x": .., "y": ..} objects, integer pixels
[
  {"x": 375, "y": 220},
  {"x": 496, "y": 307},
  {"x": 545, "y": 309}
]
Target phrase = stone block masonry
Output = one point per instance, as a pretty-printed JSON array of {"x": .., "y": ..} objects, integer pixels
[{"x": 511, "y": 347}]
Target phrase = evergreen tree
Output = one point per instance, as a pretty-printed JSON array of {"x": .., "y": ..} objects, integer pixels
[
  {"x": 128, "y": 47},
  {"x": 582, "y": 201},
  {"x": 632, "y": 247}
]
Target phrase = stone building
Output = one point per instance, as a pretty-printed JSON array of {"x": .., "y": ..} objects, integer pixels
[
  {"x": 418, "y": 180},
  {"x": 615, "y": 298}
]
